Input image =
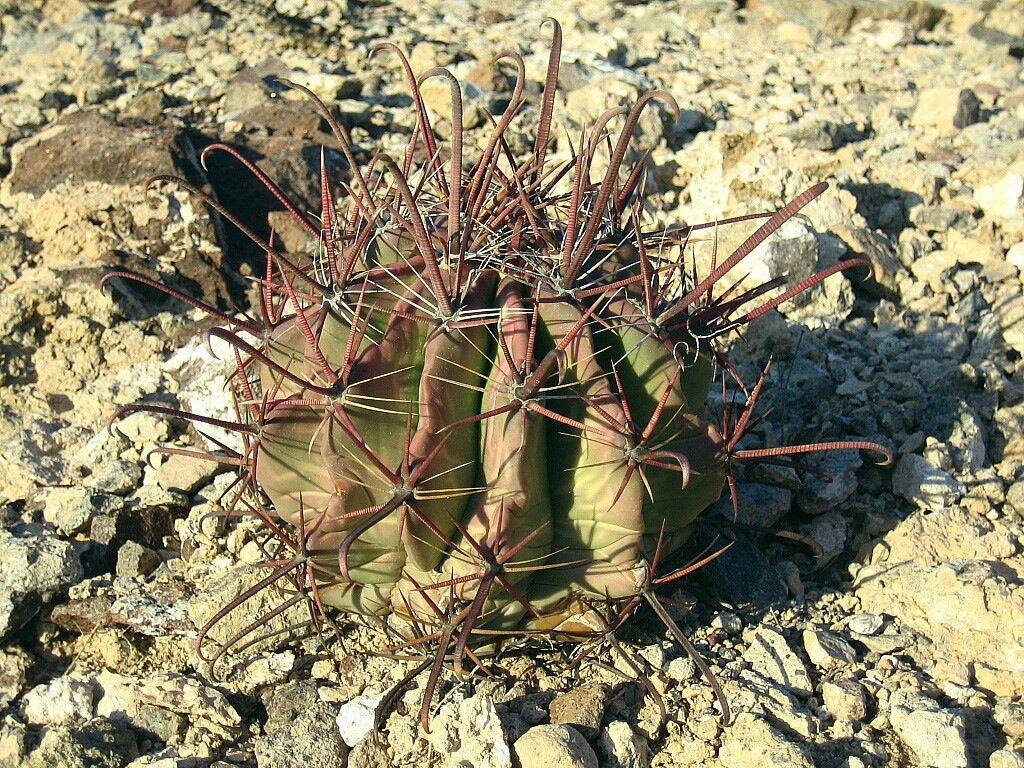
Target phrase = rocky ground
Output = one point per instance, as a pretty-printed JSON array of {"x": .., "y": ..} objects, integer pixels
[{"x": 890, "y": 634}]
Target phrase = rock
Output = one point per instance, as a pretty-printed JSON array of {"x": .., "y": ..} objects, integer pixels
[
  {"x": 937, "y": 737},
  {"x": 845, "y": 700},
  {"x": 135, "y": 560},
  {"x": 821, "y": 493},
  {"x": 554, "y": 746},
  {"x": 355, "y": 718},
  {"x": 622, "y": 747},
  {"x": 64, "y": 700},
  {"x": 947, "y": 108},
  {"x": 972, "y": 608},
  {"x": 827, "y": 650},
  {"x": 300, "y": 730},
  {"x": 582, "y": 708},
  {"x": 770, "y": 655},
  {"x": 760, "y": 505},
  {"x": 13, "y": 665},
  {"x": 1003, "y": 199},
  {"x": 750, "y": 742},
  {"x": 927, "y": 486},
  {"x": 865, "y": 623},
  {"x": 468, "y": 731},
  {"x": 13, "y": 743},
  {"x": 133, "y": 700},
  {"x": 741, "y": 576},
  {"x": 99, "y": 743},
  {"x": 1005, "y": 758},
  {"x": 35, "y": 567},
  {"x": 185, "y": 473},
  {"x": 71, "y": 510}
]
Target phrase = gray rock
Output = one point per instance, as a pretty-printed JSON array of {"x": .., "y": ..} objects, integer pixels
[
  {"x": 827, "y": 650},
  {"x": 936, "y": 736},
  {"x": 355, "y": 718},
  {"x": 760, "y": 505},
  {"x": 13, "y": 665},
  {"x": 468, "y": 731},
  {"x": 622, "y": 747},
  {"x": 133, "y": 560},
  {"x": 300, "y": 730},
  {"x": 64, "y": 700},
  {"x": 845, "y": 700},
  {"x": 99, "y": 743},
  {"x": 35, "y": 567},
  {"x": 821, "y": 493},
  {"x": 770, "y": 655},
  {"x": 71, "y": 510},
  {"x": 554, "y": 746},
  {"x": 947, "y": 108},
  {"x": 13, "y": 743},
  {"x": 582, "y": 708},
  {"x": 916, "y": 480}
]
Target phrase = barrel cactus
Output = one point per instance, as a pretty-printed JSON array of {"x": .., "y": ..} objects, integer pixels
[{"x": 478, "y": 409}]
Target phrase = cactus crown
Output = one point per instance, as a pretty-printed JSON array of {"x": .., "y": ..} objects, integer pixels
[{"x": 479, "y": 409}]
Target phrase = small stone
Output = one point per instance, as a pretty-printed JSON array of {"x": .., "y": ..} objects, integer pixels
[
  {"x": 622, "y": 747},
  {"x": 770, "y": 655},
  {"x": 936, "y": 736},
  {"x": 14, "y": 663},
  {"x": 71, "y": 510},
  {"x": 300, "y": 731},
  {"x": 916, "y": 480},
  {"x": 100, "y": 743},
  {"x": 134, "y": 560},
  {"x": 865, "y": 623},
  {"x": 582, "y": 708},
  {"x": 1005, "y": 758},
  {"x": 1003, "y": 199},
  {"x": 751, "y": 743},
  {"x": 554, "y": 746},
  {"x": 13, "y": 743},
  {"x": 728, "y": 622},
  {"x": 845, "y": 700},
  {"x": 827, "y": 650},
  {"x": 35, "y": 567},
  {"x": 681, "y": 669},
  {"x": 117, "y": 477},
  {"x": 468, "y": 731},
  {"x": 946, "y": 108},
  {"x": 63, "y": 700},
  {"x": 355, "y": 718},
  {"x": 185, "y": 473}
]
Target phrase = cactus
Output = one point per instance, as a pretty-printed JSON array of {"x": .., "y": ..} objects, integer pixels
[{"x": 478, "y": 409}]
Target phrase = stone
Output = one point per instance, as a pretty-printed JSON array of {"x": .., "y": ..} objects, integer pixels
[
  {"x": 1003, "y": 198},
  {"x": 99, "y": 743},
  {"x": 131, "y": 699},
  {"x": 582, "y": 708},
  {"x": 865, "y": 623},
  {"x": 750, "y": 742},
  {"x": 845, "y": 700},
  {"x": 622, "y": 747},
  {"x": 916, "y": 480},
  {"x": 821, "y": 493},
  {"x": 355, "y": 718},
  {"x": 554, "y": 746},
  {"x": 35, "y": 567},
  {"x": 64, "y": 700},
  {"x": 760, "y": 505},
  {"x": 13, "y": 743},
  {"x": 827, "y": 650},
  {"x": 742, "y": 576},
  {"x": 14, "y": 663},
  {"x": 468, "y": 731},
  {"x": 1005, "y": 758},
  {"x": 185, "y": 473},
  {"x": 770, "y": 655},
  {"x": 300, "y": 730},
  {"x": 936, "y": 736},
  {"x": 134, "y": 560},
  {"x": 71, "y": 510},
  {"x": 947, "y": 108}
]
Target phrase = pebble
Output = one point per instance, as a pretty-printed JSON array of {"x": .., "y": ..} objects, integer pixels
[
  {"x": 554, "y": 746},
  {"x": 827, "y": 650}
]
